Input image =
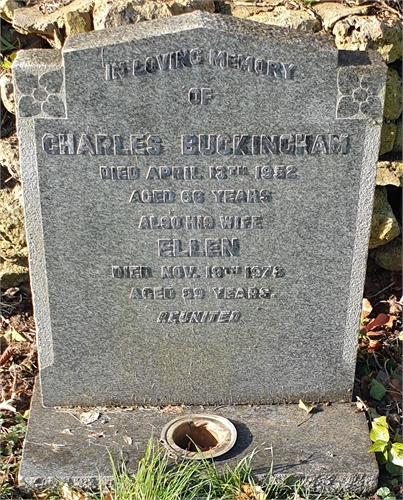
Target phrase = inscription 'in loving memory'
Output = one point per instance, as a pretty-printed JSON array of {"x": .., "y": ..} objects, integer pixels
[{"x": 179, "y": 59}]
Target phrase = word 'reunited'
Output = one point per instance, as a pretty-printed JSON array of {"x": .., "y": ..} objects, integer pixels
[{"x": 188, "y": 58}]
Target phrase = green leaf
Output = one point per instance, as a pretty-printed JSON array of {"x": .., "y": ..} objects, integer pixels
[
  {"x": 379, "y": 446},
  {"x": 382, "y": 492},
  {"x": 373, "y": 413},
  {"x": 396, "y": 454},
  {"x": 385, "y": 493},
  {"x": 376, "y": 390},
  {"x": 380, "y": 430},
  {"x": 394, "y": 469},
  {"x": 381, "y": 458}
]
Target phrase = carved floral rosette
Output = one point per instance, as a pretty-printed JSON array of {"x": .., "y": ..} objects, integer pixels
[
  {"x": 359, "y": 96},
  {"x": 41, "y": 95}
]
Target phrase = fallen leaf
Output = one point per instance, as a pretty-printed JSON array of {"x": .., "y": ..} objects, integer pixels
[
  {"x": 66, "y": 431},
  {"x": 108, "y": 496},
  {"x": 69, "y": 494},
  {"x": 373, "y": 345},
  {"x": 366, "y": 309},
  {"x": 307, "y": 408},
  {"x": 361, "y": 406},
  {"x": 87, "y": 417},
  {"x": 253, "y": 491},
  {"x": 11, "y": 333},
  {"x": 382, "y": 319},
  {"x": 128, "y": 440}
]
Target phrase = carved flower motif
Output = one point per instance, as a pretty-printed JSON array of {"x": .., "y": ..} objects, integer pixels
[
  {"x": 40, "y": 94},
  {"x": 359, "y": 95}
]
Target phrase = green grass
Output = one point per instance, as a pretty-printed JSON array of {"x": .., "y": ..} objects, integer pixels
[{"x": 158, "y": 479}]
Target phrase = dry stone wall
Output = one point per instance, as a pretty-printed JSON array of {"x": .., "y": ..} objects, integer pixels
[{"x": 361, "y": 26}]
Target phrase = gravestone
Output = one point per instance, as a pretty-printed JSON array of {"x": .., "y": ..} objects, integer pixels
[{"x": 198, "y": 196}]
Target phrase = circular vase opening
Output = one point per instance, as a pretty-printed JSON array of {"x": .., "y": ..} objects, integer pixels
[{"x": 199, "y": 436}]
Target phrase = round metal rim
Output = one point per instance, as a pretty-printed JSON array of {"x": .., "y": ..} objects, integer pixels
[{"x": 217, "y": 451}]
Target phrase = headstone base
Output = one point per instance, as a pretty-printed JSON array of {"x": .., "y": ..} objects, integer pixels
[{"x": 328, "y": 452}]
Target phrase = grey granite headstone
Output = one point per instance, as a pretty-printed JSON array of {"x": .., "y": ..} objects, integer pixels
[{"x": 198, "y": 196}]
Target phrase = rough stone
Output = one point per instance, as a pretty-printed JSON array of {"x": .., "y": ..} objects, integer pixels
[
  {"x": 13, "y": 247},
  {"x": 9, "y": 157},
  {"x": 77, "y": 22},
  {"x": 393, "y": 96},
  {"x": 388, "y": 137},
  {"x": 369, "y": 32},
  {"x": 31, "y": 20},
  {"x": 300, "y": 19},
  {"x": 331, "y": 12},
  {"x": 124, "y": 12},
  {"x": 7, "y": 9},
  {"x": 328, "y": 453},
  {"x": 389, "y": 256},
  {"x": 182, "y": 6},
  {"x": 384, "y": 226},
  {"x": 389, "y": 172},
  {"x": 7, "y": 92}
]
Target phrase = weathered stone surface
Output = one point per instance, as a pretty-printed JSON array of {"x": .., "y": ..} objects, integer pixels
[
  {"x": 369, "y": 32},
  {"x": 77, "y": 22},
  {"x": 7, "y": 9},
  {"x": 201, "y": 282},
  {"x": 331, "y": 12},
  {"x": 13, "y": 247},
  {"x": 389, "y": 172},
  {"x": 384, "y": 226},
  {"x": 389, "y": 256},
  {"x": 124, "y": 12},
  {"x": 7, "y": 92},
  {"x": 31, "y": 20},
  {"x": 182, "y": 6},
  {"x": 328, "y": 453},
  {"x": 9, "y": 156},
  {"x": 299, "y": 19},
  {"x": 393, "y": 96},
  {"x": 388, "y": 137}
]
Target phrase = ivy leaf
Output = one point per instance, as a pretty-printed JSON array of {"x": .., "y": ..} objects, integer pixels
[
  {"x": 396, "y": 454},
  {"x": 378, "y": 446},
  {"x": 385, "y": 493},
  {"x": 376, "y": 390},
  {"x": 394, "y": 469},
  {"x": 381, "y": 458},
  {"x": 380, "y": 430}
]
